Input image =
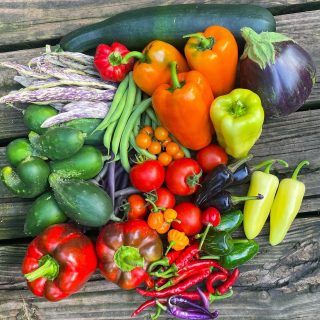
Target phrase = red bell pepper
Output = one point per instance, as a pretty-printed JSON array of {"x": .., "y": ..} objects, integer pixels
[
  {"x": 58, "y": 262},
  {"x": 108, "y": 61},
  {"x": 125, "y": 250}
]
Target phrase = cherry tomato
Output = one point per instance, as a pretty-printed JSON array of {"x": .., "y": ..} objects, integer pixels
[
  {"x": 165, "y": 142},
  {"x": 155, "y": 147},
  {"x": 211, "y": 156},
  {"x": 143, "y": 140},
  {"x": 182, "y": 176},
  {"x": 163, "y": 198},
  {"x": 148, "y": 130},
  {"x": 178, "y": 155},
  {"x": 155, "y": 220},
  {"x": 147, "y": 176},
  {"x": 189, "y": 216},
  {"x": 161, "y": 133},
  {"x": 137, "y": 207},
  {"x": 165, "y": 158},
  {"x": 172, "y": 148}
]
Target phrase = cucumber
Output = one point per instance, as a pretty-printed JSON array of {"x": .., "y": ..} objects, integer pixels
[
  {"x": 57, "y": 143},
  {"x": 87, "y": 126},
  {"x": 85, "y": 164},
  {"x": 82, "y": 201},
  {"x": 35, "y": 115},
  {"x": 18, "y": 150},
  {"x": 137, "y": 28},
  {"x": 30, "y": 180},
  {"x": 43, "y": 213}
]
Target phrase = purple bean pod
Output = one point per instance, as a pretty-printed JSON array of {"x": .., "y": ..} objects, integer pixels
[
  {"x": 111, "y": 181},
  {"x": 126, "y": 192}
]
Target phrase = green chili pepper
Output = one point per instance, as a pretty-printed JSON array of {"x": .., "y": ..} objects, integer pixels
[
  {"x": 243, "y": 251},
  {"x": 218, "y": 243}
]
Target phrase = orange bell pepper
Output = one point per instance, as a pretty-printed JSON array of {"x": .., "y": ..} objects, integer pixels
[
  {"x": 184, "y": 108},
  {"x": 153, "y": 66},
  {"x": 214, "y": 53}
]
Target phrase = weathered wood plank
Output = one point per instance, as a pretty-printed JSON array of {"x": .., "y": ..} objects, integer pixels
[
  {"x": 40, "y": 20},
  {"x": 281, "y": 282}
]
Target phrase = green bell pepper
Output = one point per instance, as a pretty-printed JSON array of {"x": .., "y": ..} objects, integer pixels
[
  {"x": 230, "y": 221},
  {"x": 218, "y": 243}
]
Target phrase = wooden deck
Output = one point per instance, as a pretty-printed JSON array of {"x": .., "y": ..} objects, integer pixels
[{"x": 282, "y": 282}]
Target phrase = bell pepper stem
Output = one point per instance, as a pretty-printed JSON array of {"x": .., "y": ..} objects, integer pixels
[
  {"x": 236, "y": 199},
  {"x": 234, "y": 166},
  {"x": 204, "y": 42},
  {"x": 115, "y": 58},
  {"x": 128, "y": 258},
  {"x": 174, "y": 76},
  {"x": 204, "y": 235},
  {"x": 298, "y": 168},
  {"x": 48, "y": 268},
  {"x": 133, "y": 54}
]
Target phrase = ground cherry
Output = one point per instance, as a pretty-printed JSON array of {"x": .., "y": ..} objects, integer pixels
[
  {"x": 148, "y": 130},
  {"x": 178, "y": 155},
  {"x": 161, "y": 133},
  {"x": 143, "y": 140},
  {"x": 166, "y": 141},
  {"x": 155, "y": 147},
  {"x": 172, "y": 148},
  {"x": 165, "y": 158}
]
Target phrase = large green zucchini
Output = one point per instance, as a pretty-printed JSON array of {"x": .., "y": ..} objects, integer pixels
[{"x": 169, "y": 23}]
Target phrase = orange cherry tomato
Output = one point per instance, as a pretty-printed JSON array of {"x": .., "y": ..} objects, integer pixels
[
  {"x": 155, "y": 220},
  {"x": 172, "y": 148},
  {"x": 164, "y": 228},
  {"x": 161, "y": 133},
  {"x": 155, "y": 147},
  {"x": 165, "y": 158},
  {"x": 148, "y": 130},
  {"x": 143, "y": 140},
  {"x": 178, "y": 155},
  {"x": 166, "y": 141}
]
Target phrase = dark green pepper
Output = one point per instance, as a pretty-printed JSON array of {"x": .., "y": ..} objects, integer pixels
[
  {"x": 243, "y": 251},
  {"x": 218, "y": 243},
  {"x": 43, "y": 213},
  {"x": 230, "y": 221},
  {"x": 30, "y": 180},
  {"x": 18, "y": 150},
  {"x": 85, "y": 164}
]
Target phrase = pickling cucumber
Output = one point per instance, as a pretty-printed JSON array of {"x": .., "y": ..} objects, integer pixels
[{"x": 18, "y": 150}]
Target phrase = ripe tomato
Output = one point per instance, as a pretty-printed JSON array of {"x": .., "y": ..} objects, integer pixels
[
  {"x": 165, "y": 158},
  {"x": 211, "y": 156},
  {"x": 147, "y": 176},
  {"x": 148, "y": 130},
  {"x": 155, "y": 147},
  {"x": 172, "y": 148},
  {"x": 165, "y": 142},
  {"x": 137, "y": 207},
  {"x": 182, "y": 177},
  {"x": 143, "y": 140},
  {"x": 163, "y": 198},
  {"x": 189, "y": 216},
  {"x": 161, "y": 133},
  {"x": 178, "y": 155}
]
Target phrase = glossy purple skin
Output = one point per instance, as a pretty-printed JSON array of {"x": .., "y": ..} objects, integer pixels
[{"x": 284, "y": 86}]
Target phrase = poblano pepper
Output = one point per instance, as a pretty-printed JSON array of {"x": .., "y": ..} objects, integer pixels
[{"x": 237, "y": 118}]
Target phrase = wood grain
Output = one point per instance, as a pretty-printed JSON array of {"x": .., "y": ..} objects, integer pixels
[{"x": 284, "y": 279}]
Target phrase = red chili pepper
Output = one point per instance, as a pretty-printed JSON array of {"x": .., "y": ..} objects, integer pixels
[
  {"x": 149, "y": 281},
  {"x": 147, "y": 304},
  {"x": 108, "y": 61},
  {"x": 165, "y": 261},
  {"x": 205, "y": 264},
  {"x": 213, "y": 278},
  {"x": 223, "y": 288},
  {"x": 161, "y": 282},
  {"x": 184, "y": 274},
  {"x": 177, "y": 289}
]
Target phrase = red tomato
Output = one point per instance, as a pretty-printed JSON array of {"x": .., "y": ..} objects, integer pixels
[
  {"x": 211, "y": 156},
  {"x": 147, "y": 176},
  {"x": 189, "y": 216},
  {"x": 165, "y": 199},
  {"x": 137, "y": 207},
  {"x": 182, "y": 177}
]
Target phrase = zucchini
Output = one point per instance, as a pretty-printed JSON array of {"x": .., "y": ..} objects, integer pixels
[
  {"x": 82, "y": 201},
  {"x": 18, "y": 150},
  {"x": 138, "y": 27},
  {"x": 85, "y": 164},
  {"x": 43, "y": 213}
]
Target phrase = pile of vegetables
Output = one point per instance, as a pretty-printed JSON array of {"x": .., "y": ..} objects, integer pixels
[{"x": 148, "y": 146}]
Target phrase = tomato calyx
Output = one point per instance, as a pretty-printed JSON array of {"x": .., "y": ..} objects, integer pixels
[{"x": 193, "y": 180}]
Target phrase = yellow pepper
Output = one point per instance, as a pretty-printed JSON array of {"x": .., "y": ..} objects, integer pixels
[
  {"x": 286, "y": 205},
  {"x": 177, "y": 240},
  {"x": 170, "y": 215}
]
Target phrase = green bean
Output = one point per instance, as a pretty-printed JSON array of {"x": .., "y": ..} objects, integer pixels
[
  {"x": 107, "y": 138},
  {"x": 152, "y": 116},
  {"x": 147, "y": 121},
  {"x": 124, "y": 116},
  {"x": 136, "y": 127},
  {"x": 115, "y": 103},
  {"x": 137, "y": 100},
  {"x": 154, "y": 125},
  {"x": 124, "y": 145},
  {"x": 139, "y": 150},
  {"x": 183, "y": 148}
]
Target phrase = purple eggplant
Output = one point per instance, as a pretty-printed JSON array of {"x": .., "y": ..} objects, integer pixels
[{"x": 276, "y": 68}]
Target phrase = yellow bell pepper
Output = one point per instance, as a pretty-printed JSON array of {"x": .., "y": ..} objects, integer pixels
[{"x": 237, "y": 118}]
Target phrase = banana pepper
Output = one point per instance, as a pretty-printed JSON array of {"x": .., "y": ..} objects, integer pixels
[{"x": 237, "y": 119}]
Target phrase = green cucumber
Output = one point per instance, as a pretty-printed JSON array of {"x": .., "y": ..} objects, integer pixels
[
  {"x": 30, "y": 179},
  {"x": 18, "y": 150},
  {"x": 87, "y": 126},
  {"x": 82, "y": 201},
  {"x": 43, "y": 213},
  {"x": 35, "y": 115},
  {"x": 85, "y": 164},
  {"x": 57, "y": 143},
  {"x": 137, "y": 28}
]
